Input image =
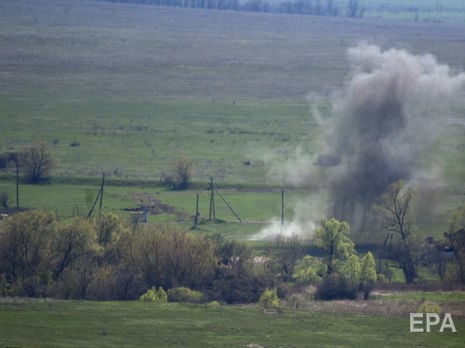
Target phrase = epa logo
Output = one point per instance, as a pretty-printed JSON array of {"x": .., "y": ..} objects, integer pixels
[{"x": 422, "y": 322}]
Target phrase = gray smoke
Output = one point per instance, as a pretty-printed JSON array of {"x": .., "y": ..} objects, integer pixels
[{"x": 393, "y": 107}]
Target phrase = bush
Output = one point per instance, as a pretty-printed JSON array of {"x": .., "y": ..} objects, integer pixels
[
  {"x": 269, "y": 299},
  {"x": 335, "y": 287},
  {"x": 181, "y": 179},
  {"x": 153, "y": 295},
  {"x": 4, "y": 200},
  {"x": 183, "y": 294},
  {"x": 429, "y": 307}
]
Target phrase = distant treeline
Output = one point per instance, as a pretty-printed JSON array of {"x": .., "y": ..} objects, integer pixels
[{"x": 353, "y": 8}]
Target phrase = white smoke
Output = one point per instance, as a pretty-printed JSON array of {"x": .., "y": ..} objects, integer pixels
[{"x": 301, "y": 224}]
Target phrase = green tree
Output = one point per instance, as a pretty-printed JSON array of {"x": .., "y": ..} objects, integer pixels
[
  {"x": 368, "y": 270},
  {"x": 36, "y": 161},
  {"x": 352, "y": 271},
  {"x": 333, "y": 237},
  {"x": 309, "y": 270},
  {"x": 269, "y": 299},
  {"x": 368, "y": 274},
  {"x": 76, "y": 238},
  {"x": 26, "y": 251}
]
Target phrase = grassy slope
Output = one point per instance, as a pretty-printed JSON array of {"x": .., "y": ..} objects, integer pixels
[{"x": 47, "y": 323}]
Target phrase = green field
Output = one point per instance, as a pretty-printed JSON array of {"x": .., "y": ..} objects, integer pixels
[
  {"x": 129, "y": 89},
  {"x": 49, "y": 323}
]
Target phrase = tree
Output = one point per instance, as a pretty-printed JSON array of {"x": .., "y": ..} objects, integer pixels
[
  {"x": 368, "y": 274},
  {"x": 309, "y": 270},
  {"x": 76, "y": 238},
  {"x": 352, "y": 271},
  {"x": 287, "y": 254},
  {"x": 397, "y": 219},
  {"x": 26, "y": 251},
  {"x": 181, "y": 178},
  {"x": 456, "y": 238},
  {"x": 269, "y": 299},
  {"x": 333, "y": 237},
  {"x": 36, "y": 161}
]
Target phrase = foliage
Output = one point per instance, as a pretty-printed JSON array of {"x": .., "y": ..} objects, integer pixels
[
  {"x": 36, "y": 162},
  {"x": 181, "y": 178},
  {"x": 310, "y": 270},
  {"x": 429, "y": 307},
  {"x": 183, "y": 294},
  {"x": 368, "y": 274},
  {"x": 335, "y": 287},
  {"x": 269, "y": 299},
  {"x": 26, "y": 243},
  {"x": 355, "y": 278},
  {"x": 368, "y": 271},
  {"x": 41, "y": 255},
  {"x": 333, "y": 237},
  {"x": 352, "y": 271},
  {"x": 456, "y": 240},
  {"x": 154, "y": 295},
  {"x": 4, "y": 200}
]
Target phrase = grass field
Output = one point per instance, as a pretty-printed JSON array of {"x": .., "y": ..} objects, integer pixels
[
  {"x": 128, "y": 90},
  {"x": 50, "y": 323}
]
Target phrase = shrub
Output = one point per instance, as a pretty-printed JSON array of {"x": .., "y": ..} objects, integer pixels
[
  {"x": 335, "y": 287},
  {"x": 153, "y": 295},
  {"x": 4, "y": 200},
  {"x": 183, "y": 294},
  {"x": 214, "y": 304},
  {"x": 269, "y": 299},
  {"x": 429, "y": 307},
  {"x": 181, "y": 178}
]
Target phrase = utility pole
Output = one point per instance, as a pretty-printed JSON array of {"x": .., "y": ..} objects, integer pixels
[
  {"x": 17, "y": 182},
  {"x": 196, "y": 217},
  {"x": 212, "y": 213},
  {"x": 282, "y": 207},
  {"x": 101, "y": 195}
]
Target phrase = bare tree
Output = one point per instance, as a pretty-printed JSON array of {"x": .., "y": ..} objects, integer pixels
[
  {"x": 400, "y": 243},
  {"x": 287, "y": 254}
]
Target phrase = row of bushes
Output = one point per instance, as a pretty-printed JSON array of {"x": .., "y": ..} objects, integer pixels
[{"x": 108, "y": 259}]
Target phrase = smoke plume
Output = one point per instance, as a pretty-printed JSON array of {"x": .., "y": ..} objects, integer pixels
[{"x": 393, "y": 107}]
